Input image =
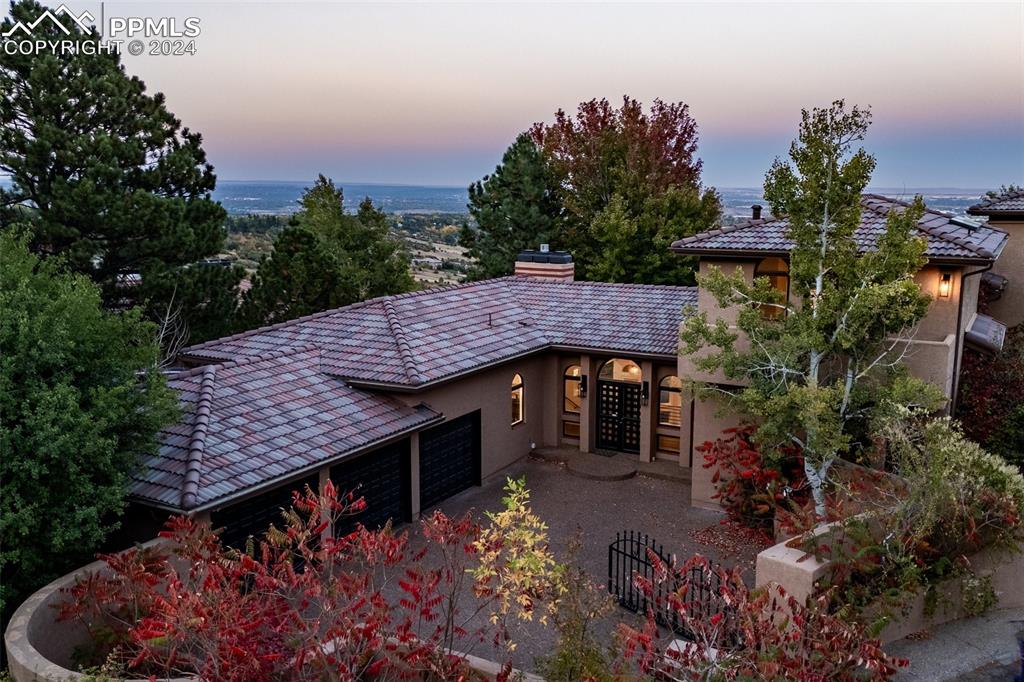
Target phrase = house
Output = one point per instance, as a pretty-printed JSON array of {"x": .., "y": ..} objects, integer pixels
[
  {"x": 1006, "y": 279},
  {"x": 413, "y": 398},
  {"x": 959, "y": 252}
]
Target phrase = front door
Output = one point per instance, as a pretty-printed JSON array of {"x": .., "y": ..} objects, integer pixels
[{"x": 618, "y": 416}]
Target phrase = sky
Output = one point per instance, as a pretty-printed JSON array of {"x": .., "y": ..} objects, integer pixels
[{"x": 424, "y": 93}]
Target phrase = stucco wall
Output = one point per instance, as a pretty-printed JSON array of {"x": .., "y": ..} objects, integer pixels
[
  {"x": 709, "y": 420},
  {"x": 1010, "y": 308},
  {"x": 490, "y": 392}
]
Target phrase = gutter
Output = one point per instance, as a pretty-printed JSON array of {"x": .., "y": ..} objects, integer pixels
[{"x": 960, "y": 336}]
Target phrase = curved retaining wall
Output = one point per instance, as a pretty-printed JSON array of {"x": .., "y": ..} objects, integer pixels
[{"x": 39, "y": 649}]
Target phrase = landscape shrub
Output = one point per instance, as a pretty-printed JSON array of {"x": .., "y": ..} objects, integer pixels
[
  {"x": 756, "y": 635},
  {"x": 749, "y": 486},
  {"x": 958, "y": 500},
  {"x": 299, "y": 604},
  {"x": 991, "y": 401}
]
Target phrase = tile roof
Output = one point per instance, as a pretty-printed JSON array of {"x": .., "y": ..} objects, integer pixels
[
  {"x": 262, "y": 419},
  {"x": 948, "y": 238},
  {"x": 1011, "y": 202},
  {"x": 420, "y": 337}
]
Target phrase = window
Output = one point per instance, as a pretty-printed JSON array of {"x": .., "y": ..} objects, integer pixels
[
  {"x": 570, "y": 429},
  {"x": 670, "y": 401},
  {"x": 571, "y": 393},
  {"x": 777, "y": 272},
  {"x": 517, "y": 399},
  {"x": 620, "y": 370},
  {"x": 668, "y": 444}
]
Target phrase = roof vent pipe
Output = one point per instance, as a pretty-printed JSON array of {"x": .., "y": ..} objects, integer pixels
[{"x": 755, "y": 211}]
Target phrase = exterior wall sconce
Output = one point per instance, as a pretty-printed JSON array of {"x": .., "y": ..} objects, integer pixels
[
  {"x": 645, "y": 392},
  {"x": 583, "y": 386},
  {"x": 945, "y": 284}
]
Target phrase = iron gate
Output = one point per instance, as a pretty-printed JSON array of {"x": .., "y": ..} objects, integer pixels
[{"x": 630, "y": 556}]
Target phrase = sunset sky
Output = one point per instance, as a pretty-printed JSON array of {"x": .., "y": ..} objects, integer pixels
[{"x": 433, "y": 93}]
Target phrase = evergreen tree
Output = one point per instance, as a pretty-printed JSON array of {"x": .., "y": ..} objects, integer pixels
[
  {"x": 109, "y": 177},
  {"x": 326, "y": 259},
  {"x": 80, "y": 401},
  {"x": 628, "y": 182},
  {"x": 824, "y": 362},
  {"x": 514, "y": 208}
]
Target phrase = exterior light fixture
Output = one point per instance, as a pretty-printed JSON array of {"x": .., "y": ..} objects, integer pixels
[
  {"x": 583, "y": 386},
  {"x": 645, "y": 392},
  {"x": 945, "y": 284}
]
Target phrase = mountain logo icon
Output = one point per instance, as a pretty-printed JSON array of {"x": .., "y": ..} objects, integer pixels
[{"x": 83, "y": 21}]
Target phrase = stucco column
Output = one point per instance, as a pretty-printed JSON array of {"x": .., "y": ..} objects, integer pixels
[
  {"x": 647, "y": 412},
  {"x": 588, "y": 404},
  {"x": 414, "y": 475},
  {"x": 551, "y": 401}
]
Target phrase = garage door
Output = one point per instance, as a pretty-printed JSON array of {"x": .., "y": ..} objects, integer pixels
[
  {"x": 254, "y": 515},
  {"x": 449, "y": 459},
  {"x": 381, "y": 477}
]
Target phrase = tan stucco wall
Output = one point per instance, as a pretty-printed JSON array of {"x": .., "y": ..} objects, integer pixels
[
  {"x": 1010, "y": 308},
  {"x": 490, "y": 392},
  {"x": 710, "y": 419}
]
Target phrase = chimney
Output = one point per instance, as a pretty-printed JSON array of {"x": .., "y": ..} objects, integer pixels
[
  {"x": 755, "y": 211},
  {"x": 545, "y": 264}
]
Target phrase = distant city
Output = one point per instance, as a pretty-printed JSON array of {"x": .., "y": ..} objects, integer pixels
[{"x": 281, "y": 198}]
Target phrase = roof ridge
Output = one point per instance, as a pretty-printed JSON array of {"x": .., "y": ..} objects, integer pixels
[
  {"x": 1001, "y": 196},
  {"x": 197, "y": 444},
  {"x": 722, "y": 229},
  {"x": 248, "y": 359},
  {"x": 577, "y": 282},
  {"x": 402, "y": 341}
]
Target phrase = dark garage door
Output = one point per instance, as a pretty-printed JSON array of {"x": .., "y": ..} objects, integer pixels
[
  {"x": 449, "y": 459},
  {"x": 254, "y": 516},
  {"x": 381, "y": 477}
]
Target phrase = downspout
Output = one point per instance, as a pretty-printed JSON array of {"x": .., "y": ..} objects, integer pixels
[{"x": 959, "y": 337}]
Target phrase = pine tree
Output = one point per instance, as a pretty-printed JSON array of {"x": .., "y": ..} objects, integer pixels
[
  {"x": 514, "y": 208},
  {"x": 107, "y": 177},
  {"x": 825, "y": 362}
]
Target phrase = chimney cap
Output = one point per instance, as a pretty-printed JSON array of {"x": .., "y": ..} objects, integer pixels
[
  {"x": 556, "y": 257},
  {"x": 755, "y": 211}
]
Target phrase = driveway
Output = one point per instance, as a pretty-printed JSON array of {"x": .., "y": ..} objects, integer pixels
[{"x": 599, "y": 509}]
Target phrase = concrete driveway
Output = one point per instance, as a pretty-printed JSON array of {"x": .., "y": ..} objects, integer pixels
[{"x": 568, "y": 503}]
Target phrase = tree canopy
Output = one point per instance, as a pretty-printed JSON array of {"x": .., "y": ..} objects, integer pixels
[
  {"x": 828, "y": 360},
  {"x": 325, "y": 259},
  {"x": 615, "y": 187},
  {"x": 515, "y": 208},
  {"x": 80, "y": 401},
  {"x": 109, "y": 179}
]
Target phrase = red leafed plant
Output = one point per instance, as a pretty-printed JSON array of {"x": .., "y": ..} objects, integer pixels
[
  {"x": 299, "y": 605},
  {"x": 748, "y": 486},
  {"x": 743, "y": 634}
]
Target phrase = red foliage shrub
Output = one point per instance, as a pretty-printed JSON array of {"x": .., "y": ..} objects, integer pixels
[
  {"x": 991, "y": 400},
  {"x": 750, "y": 487},
  {"x": 303, "y": 605},
  {"x": 741, "y": 634}
]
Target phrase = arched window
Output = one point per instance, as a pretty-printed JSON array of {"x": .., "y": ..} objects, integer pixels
[
  {"x": 777, "y": 272},
  {"x": 571, "y": 394},
  {"x": 670, "y": 401},
  {"x": 517, "y": 399},
  {"x": 617, "y": 369}
]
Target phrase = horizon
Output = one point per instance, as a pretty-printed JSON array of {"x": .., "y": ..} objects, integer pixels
[{"x": 432, "y": 94}]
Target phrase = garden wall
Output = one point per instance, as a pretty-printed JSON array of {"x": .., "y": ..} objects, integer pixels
[
  {"x": 799, "y": 574},
  {"x": 39, "y": 649}
]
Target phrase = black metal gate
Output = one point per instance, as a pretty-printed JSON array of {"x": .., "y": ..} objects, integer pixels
[
  {"x": 618, "y": 416},
  {"x": 630, "y": 556}
]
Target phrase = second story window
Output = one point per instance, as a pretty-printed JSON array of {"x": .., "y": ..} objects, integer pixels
[
  {"x": 571, "y": 388},
  {"x": 517, "y": 399},
  {"x": 777, "y": 272}
]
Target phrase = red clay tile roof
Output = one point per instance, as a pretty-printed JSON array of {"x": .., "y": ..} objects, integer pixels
[
  {"x": 259, "y": 421},
  {"x": 948, "y": 238},
  {"x": 420, "y": 337},
  {"x": 1007, "y": 203}
]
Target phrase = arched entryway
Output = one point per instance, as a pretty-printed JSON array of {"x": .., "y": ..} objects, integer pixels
[{"x": 619, "y": 388}]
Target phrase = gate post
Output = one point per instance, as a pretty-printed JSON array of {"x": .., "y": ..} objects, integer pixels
[
  {"x": 588, "y": 403},
  {"x": 414, "y": 475},
  {"x": 648, "y": 411}
]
